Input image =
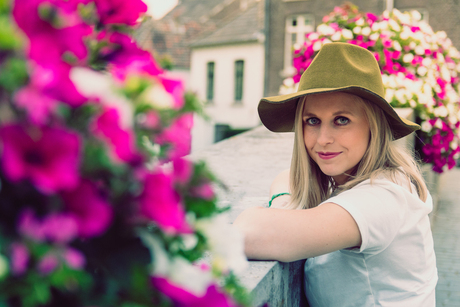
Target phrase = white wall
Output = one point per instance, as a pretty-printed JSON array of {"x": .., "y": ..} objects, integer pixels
[{"x": 224, "y": 110}]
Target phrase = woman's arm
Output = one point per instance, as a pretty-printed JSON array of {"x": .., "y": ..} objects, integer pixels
[
  {"x": 280, "y": 185},
  {"x": 289, "y": 235}
]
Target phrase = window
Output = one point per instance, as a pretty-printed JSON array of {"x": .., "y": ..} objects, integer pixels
[
  {"x": 296, "y": 28},
  {"x": 239, "y": 71},
  {"x": 210, "y": 82}
]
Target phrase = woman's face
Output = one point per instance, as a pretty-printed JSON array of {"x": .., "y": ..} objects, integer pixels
[{"x": 336, "y": 132}]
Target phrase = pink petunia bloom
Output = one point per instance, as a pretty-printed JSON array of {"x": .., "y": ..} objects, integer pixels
[
  {"x": 56, "y": 227},
  {"x": 48, "y": 264},
  {"x": 183, "y": 298},
  {"x": 120, "y": 11},
  {"x": 372, "y": 17},
  {"x": 204, "y": 191},
  {"x": 183, "y": 170},
  {"x": 60, "y": 227},
  {"x": 178, "y": 136},
  {"x": 125, "y": 56},
  {"x": 29, "y": 226},
  {"x": 122, "y": 142},
  {"x": 19, "y": 258},
  {"x": 45, "y": 41},
  {"x": 91, "y": 212},
  {"x": 162, "y": 204},
  {"x": 74, "y": 258},
  {"x": 38, "y": 105},
  {"x": 176, "y": 89},
  {"x": 49, "y": 157}
]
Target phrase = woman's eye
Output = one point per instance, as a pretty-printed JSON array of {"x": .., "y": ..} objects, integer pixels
[
  {"x": 312, "y": 121},
  {"x": 342, "y": 120}
]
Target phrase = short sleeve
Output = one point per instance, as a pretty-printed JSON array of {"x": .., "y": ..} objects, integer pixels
[{"x": 378, "y": 209}]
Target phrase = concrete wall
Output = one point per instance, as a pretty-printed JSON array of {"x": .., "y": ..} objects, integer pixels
[{"x": 224, "y": 109}]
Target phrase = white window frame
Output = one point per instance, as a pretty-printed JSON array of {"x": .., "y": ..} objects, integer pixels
[{"x": 300, "y": 29}]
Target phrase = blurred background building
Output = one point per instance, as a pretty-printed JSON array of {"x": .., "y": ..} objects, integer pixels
[{"x": 233, "y": 52}]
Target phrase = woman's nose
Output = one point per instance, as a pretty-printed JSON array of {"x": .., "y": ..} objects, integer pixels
[{"x": 325, "y": 136}]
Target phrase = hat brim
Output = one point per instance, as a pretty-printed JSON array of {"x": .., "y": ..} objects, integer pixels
[{"x": 277, "y": 113}]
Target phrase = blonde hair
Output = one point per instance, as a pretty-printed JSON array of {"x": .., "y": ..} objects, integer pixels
[{"x": 310, "y": 186}]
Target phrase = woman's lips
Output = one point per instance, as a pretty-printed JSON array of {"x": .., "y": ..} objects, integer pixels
[{"x": 328, "y": 155}]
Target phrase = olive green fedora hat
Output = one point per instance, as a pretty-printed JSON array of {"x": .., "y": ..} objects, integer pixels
[{"x": 338, "y": 67}]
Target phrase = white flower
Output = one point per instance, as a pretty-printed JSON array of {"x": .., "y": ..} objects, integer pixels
[
  {"x": 412, "y": 103},
  {"x": 313, "y": 36},
  {"x": 226, "y": 243},
  {"x": 357, "y": 30},
  {"x": 324, "y": 29},
  {"x": 445, "y": 74},
  {"x": 397, "y": 46},
  {"x": 360, "y": 22},
  {"x": 426, "y": 62},
  {"x": 317, "y": 45},
  {"x": 94, "y": 84},
  {"x": 394, "y": 25},
  {"x": 374, "y": 36},
  {"x": 421, "y": 70},
  {"x": 441, "y": 34},
  {"x": 289, "y": 82},
  {"x": 347, "y": 34},
  {"x": 366, "y": 31},
  {"x": 426, "y": 126},
  {"x": 158, "y": 97},
  {"x": 440, "y": 111},
  {"x": 177, "y": 270},
  {"x": 438, "y": 123},
  {"x": 336, "y": 36},
  {"x": 416, "y": 15},
  {"x": 408, "y": 57},
  {"x": 419, "y": 50},
  {"x": 389, "y": 93}
]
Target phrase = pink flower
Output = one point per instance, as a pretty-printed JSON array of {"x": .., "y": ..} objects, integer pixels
[
  {"x": 60, "y": 227},
  {"x": 162, "y": 204},
  {"x": 91, "y": 212},
  {"x": 19, "y": 258},
  {"x": 122, "y": 142},
  {"x": 49, "y": 157},
  {"x": 48, "y": 264},
  {"x": 204, "y": 191},
  {"x": 45, "y": 41},
  {"x": 74, "y": 258},
  {"x": 125, "y": 56},
  {"x": 37, "y": 104},
  {"x": 183, "y": 170},
  {"x": 182, "y": 298},
  {"x": 56, "y": 227},
  {"x": 176, "y": 89},
  {"x": 371, "y": 17},
  {"x": 120, "y": 11},
  {"x": 178, "y": 136},
  {"x": 30, "y": 227},
  {"x": 150, "y": 120}
]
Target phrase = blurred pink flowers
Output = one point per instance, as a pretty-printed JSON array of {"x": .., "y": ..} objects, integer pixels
[
  {"x": 92, "y": 213},
  {"x": 162, "y": 204},
  {"x": 122, "y": 142},
  {"x": 178, "y": 135},
  {"x": 49, "y": 157},
  {"x": 182, "y": 298},
  {"x": 120, "y": 11}
]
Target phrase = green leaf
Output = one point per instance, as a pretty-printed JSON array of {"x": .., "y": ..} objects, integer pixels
[{"x": 13, "y": 74}]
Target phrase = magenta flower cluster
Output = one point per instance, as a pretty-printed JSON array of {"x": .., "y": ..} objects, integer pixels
[
  {"x": 91, "y": 156},
  {"x": 420, "y": 70}
]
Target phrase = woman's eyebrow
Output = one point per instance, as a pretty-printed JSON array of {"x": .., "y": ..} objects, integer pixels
[{"x": 334, "y": 114}]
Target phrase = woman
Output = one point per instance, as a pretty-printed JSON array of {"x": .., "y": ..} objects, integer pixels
[{"x": 362, "y": 218}]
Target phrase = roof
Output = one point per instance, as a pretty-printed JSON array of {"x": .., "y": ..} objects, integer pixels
[{"x": 246, "y": 27}]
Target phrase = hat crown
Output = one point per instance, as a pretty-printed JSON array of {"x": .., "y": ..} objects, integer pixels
[{"x": 340, "y": 65}]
